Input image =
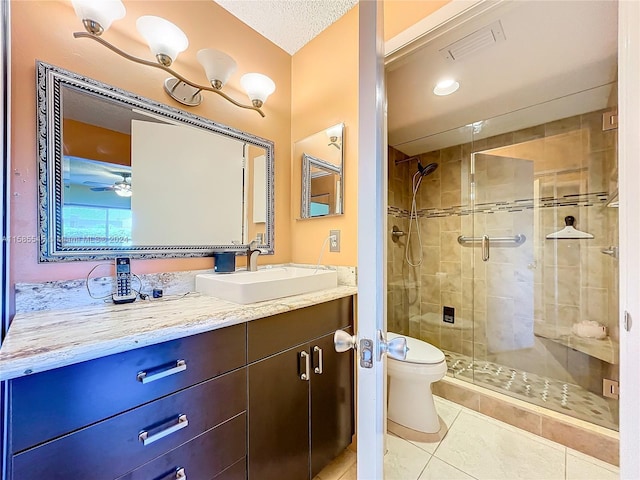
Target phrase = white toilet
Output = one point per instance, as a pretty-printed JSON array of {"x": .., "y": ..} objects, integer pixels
[{"x": 409, "y": 390}]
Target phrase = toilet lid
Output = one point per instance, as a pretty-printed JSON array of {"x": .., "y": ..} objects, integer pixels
[{"x": 419, "y": 351}]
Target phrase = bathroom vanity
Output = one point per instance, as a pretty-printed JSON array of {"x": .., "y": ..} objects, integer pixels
[{"x": 194, "y": 388}]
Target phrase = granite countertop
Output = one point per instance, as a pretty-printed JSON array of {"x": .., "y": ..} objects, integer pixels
[{"x": 44, "y": 340}]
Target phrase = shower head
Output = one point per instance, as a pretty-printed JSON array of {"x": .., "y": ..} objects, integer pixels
[{"x": 428, "y": 170}]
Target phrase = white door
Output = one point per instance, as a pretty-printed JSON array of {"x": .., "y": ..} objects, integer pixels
[
  {"x": 372, "y": 216},
  {"x": 629, "y": 174}
]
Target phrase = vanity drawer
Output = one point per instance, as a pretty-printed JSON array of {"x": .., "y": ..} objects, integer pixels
[
  {"x": 49, "y": 404},
  {"x": 213, "y": 454},
  {"x": 277, "y": 333},
  {"x": 237, "y": 471},
  {"x": 113, "y": 447}
]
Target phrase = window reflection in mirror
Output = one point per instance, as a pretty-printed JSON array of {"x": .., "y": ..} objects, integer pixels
[{"x": 322, "y": 156}]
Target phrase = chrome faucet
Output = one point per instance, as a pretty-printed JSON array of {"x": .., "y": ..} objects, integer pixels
[{"x": 252, "y": 256}]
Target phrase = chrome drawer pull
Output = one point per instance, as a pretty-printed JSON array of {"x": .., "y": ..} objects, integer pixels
[
  {"x": 143, "y": 377},
  {"x": 181, "y": 474},
  {"x": 318, "y": 369},
  {"x": 147, "y": 439}
]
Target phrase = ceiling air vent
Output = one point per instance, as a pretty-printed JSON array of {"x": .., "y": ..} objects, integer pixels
[{"x": 480, "y": 39}]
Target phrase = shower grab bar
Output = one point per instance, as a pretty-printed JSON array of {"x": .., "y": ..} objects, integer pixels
[{"x": 484, "y": 240}]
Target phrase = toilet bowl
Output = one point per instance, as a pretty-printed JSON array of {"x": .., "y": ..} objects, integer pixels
[{"x": 410, "y": 401}]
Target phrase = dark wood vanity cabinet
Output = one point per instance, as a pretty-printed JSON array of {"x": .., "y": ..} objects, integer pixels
[
  {"x": 172, "y": 410},
  {"x": 228, "y": 404},
  {"x": 300, "y": 392}
]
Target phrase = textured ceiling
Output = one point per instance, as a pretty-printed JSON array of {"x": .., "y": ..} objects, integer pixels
[{"x": 290, "y": 24}]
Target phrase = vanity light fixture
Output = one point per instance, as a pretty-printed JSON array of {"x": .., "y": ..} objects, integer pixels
[
  {"x": 166, "y": 41},
  {"x": 335, "y": 136},
  {"x": 446, "y": 87}
]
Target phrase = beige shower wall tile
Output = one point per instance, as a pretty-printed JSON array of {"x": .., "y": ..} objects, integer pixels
[
  {"x": 500, "y": 279},
  {"x": 450, "y": 176},
  {"x": 595, "y": 138},
  {"x": 452, "y": 299},
  {"x": 451, "y": 281},
  {"x": 598, "y": 171},
  {"x": 429, "y": 231},
  {"x": 451, "y": 198},
  {"x": 560, "y": 286},
  {"x": 430, "y": 289},
  {"x": 596, "y": 268},
  {"x": 597, "y": 226},
  {"x": 452, "y": 223},
  {"x": 564, "y": 253},
  {"x": 450, "y": 249},
  {"x": 451, "y": 154},
  {"x": 430, "y": 260},
  {"x": 500, "y": 221},
  {"x": 562, "y": 316},
  {"x": 595, "y": 305}
]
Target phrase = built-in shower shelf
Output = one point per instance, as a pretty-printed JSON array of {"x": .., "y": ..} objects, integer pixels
[{"x": 605, "y": 349}]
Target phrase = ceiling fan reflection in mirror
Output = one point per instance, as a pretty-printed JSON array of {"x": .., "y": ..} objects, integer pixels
[{"x": 121, "y": 188}]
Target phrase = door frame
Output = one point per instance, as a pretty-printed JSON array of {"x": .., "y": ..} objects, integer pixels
[{"x": 372, "y": 201}]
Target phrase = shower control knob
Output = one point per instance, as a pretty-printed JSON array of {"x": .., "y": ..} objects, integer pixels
[{"x": 342, "y": 341}]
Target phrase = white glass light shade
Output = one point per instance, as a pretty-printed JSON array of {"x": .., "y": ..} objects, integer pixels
[
  {"x": 102, "y": 12},
  {"x": 124, "y": 192},
  {"x": 163, "y": 37},
  {"x": 258, "y": 87},
  {"x": 218, "y": 66}
]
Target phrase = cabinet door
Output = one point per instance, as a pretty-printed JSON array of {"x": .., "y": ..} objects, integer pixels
[
  {"x": 331, "y": 402},
  {"x": 279, "y": 418}
]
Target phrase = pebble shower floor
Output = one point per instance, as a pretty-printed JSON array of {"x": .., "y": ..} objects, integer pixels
[{"x": 563, "y": 397}]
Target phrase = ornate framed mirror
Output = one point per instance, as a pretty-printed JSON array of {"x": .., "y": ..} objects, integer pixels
[{"x": 120, "y": 174}]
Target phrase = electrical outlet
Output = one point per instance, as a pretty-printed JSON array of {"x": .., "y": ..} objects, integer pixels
[{"x": 334, "y": 242}]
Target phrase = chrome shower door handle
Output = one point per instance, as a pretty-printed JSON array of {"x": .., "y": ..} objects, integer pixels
[{"x": 485, "y": 248}]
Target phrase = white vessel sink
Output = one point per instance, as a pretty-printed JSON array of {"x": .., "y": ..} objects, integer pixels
[{"x": 267, "y": 284}]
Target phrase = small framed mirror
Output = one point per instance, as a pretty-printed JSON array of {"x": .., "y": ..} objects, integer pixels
[{"x": 322, "y": 172}]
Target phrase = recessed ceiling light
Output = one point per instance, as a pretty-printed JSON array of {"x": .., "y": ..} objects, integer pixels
[{"x": 446, "y": 87}]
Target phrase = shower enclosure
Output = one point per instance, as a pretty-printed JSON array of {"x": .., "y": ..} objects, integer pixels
[{"x": 517, "y": 304}]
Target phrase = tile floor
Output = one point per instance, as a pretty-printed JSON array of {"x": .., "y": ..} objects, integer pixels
[
  {"x": 563, "y": 397},
  {"x": 474, "y": 446}
]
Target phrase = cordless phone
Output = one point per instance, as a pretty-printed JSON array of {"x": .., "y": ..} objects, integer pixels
[{"x": 124, "y": 293}]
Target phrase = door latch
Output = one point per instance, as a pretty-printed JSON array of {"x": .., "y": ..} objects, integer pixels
[{"x": 366, "y": 353}]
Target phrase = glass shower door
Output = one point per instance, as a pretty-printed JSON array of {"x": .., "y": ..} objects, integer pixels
[{"x": 543, "y": 259}]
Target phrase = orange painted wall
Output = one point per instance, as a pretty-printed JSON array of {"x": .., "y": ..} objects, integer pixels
[
  {"x": 43, "y": 30},
  {"x": 402, "y": 14},
  {"x": 96, "y": 143},
  {"x": 325, "y": 92}
]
